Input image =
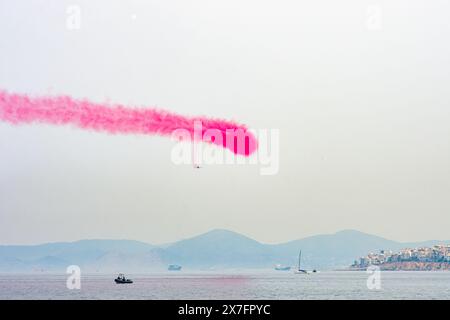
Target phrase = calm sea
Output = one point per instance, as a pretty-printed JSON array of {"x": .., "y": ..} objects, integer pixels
[{"x": 242, "y": 285}]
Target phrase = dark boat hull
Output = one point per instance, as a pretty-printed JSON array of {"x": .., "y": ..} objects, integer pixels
[
  {"x": 123, "y": 281},
  {"x": 301, "y": 271}
]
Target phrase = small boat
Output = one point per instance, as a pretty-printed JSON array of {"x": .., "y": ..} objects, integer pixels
[
  {"x": 299, "y": 269},
  {"x": 280, "y": 267},
  {"x": 174, "y": 267},
  {"x": 121, "y": 279}
]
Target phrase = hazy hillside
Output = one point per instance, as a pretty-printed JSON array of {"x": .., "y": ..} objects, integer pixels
[
  {"x": 334, "y": 250},
  {"x": 216, "y": 249},
  {"x": 54, "y": 256},
  {"x": 222, "y": 248},
  {"x": 219, "y": 248}
]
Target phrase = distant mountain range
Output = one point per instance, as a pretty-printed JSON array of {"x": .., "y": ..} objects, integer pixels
[{"x": 214, "y": 250}]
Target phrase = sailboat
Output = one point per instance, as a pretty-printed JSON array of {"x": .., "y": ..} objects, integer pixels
[{"x": 299, "y": 269}]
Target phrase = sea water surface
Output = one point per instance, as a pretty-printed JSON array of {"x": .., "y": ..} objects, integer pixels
[{"x": 231, "y": 285}]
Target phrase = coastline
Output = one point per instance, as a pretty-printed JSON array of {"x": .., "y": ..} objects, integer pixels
[{"x": 408, "y": 266}]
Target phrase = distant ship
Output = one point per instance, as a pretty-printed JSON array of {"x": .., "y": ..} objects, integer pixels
[
  {"x": 280, "y": 267},
  {"x": 174, "y": 267}
]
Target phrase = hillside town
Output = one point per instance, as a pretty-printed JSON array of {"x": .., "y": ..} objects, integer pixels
[{"x": 429, "y": 258}]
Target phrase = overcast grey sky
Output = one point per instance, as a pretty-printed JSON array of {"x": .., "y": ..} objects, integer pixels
[{"x": 362, "y": 106}]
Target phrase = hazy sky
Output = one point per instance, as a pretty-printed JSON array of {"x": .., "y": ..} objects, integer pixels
[{"x": 358, "y": 89}]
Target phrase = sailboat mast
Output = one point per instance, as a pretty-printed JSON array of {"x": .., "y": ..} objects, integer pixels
[{"x": 299, "y": 259}]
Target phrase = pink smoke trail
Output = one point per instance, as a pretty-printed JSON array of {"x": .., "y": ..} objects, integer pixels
[{"x": 118, "y": 119}]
